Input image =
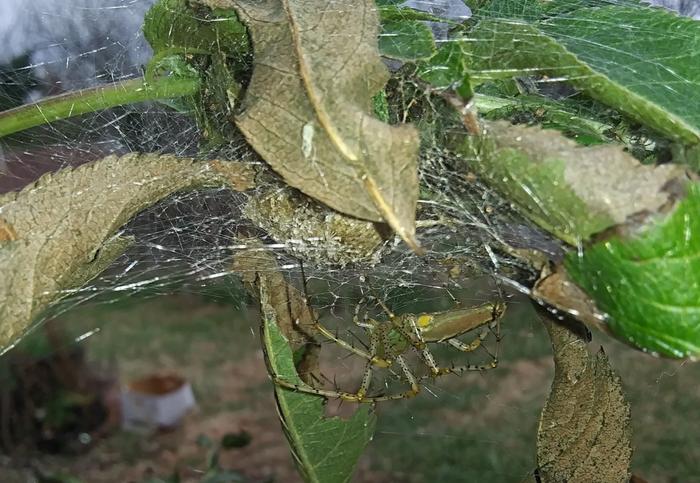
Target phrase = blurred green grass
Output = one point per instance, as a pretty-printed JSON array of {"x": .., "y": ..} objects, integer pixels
[{"x": 480, "y": 427}]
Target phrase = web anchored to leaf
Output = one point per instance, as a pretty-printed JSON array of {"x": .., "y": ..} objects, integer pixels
[{"x": 361, "y": 151}]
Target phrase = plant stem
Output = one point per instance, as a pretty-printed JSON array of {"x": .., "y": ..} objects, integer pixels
[{"x": 93, "y": 99}]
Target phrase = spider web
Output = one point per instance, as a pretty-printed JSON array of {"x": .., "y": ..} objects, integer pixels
[{"x": 186, "y": 242}]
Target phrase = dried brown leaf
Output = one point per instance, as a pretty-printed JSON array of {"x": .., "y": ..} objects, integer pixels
[
  {"x": 259, "y": 270},
  {"x": 584, "y": 431},
  {"x": 60, "y": 231},
  {"x": 307, "y": 108},
  {"x": 556, "y": 289}
]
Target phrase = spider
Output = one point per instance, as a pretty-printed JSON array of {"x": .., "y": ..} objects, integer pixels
[{"x": 390, "y": 339}]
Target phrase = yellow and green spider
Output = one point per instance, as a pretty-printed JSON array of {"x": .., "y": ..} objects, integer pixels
[{"x": 391, "y": 339}]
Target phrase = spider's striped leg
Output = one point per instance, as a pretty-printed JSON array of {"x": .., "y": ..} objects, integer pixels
[
  {"x": 429, "y": 360},
  {"x": 345, "y": 396},
  {"x": 360, "y": 396},
  {"x": 377, "y": 361},
  {"x": 459, "y": 345},
  {"x": 441, "y": 371},
  {"x": 470, "y": 346},
  {"x": 367, "y": 375},
  {"x": 471, "y": 367},
  {"x": 459, "y": 370},
  {"x": 300, "y": 387},
  {"x": 415, "y": 387},
  {"x": 321, "y": 329},
  {"x": 345, "y": 345}
]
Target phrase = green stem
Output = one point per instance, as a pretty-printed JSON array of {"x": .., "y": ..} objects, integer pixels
[{"x": 94, "y": 99}]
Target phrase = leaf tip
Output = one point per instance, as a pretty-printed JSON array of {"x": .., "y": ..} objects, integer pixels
[{"x": 404, "y": 226}]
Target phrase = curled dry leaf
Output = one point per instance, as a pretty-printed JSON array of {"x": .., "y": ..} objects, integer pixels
[
  {"x": 584, "y": 431},
  {"x": 558, "y": 291},
  {"x": 572, "y": 191},
  {"x": 61, "y": 231},
  {"x": 259, "y": 270},
  {"x": 307, "y": 110}
]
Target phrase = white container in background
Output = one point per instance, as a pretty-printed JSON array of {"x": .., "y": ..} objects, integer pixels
[{"x": 156, "y": 401}]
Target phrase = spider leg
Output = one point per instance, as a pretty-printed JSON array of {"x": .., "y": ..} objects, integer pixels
[
  {"x": 321, "y": 329},
  {"x": 463, "y": 347},
  {"x": 345, "y": 396},
  {"x": 299, "y": 387},
  {"x": 415, "y": 387},
  {"x": 361, "y": 395},
  {"x": 386, "y": 309},
  {"x": 367, "y": 375},
  {"x": 429, "y": 360},
  {"x": 471, "y": 367},
  {"x": 471, "y": 346},
  {"x": 377, "y": 361},
  {"x": 458, "y": 370}
]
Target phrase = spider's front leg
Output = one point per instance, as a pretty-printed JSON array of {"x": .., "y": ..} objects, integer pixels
[
  {"x": 459, "y": 370},
  {"x": 377, "y": 361}
]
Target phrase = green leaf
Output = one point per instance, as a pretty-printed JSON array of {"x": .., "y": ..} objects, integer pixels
[
  {"x": 190, "y": 39},
  {"x": 561, "y": 7},
  {"x": 391, "y": 12},
  {"x": 326, "y": 450},
  {"x": 407, "y": 40},
  {"x": 575, "y": 121},
  {"x": 626, "y": 57},
  {"x": 522, "y": 9},
  {"x": 175, "y": 26},
  {"x": 447, "y": 69},
  {"x": 574, "y": 192},
  {"x": 648, "y": 282}
]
